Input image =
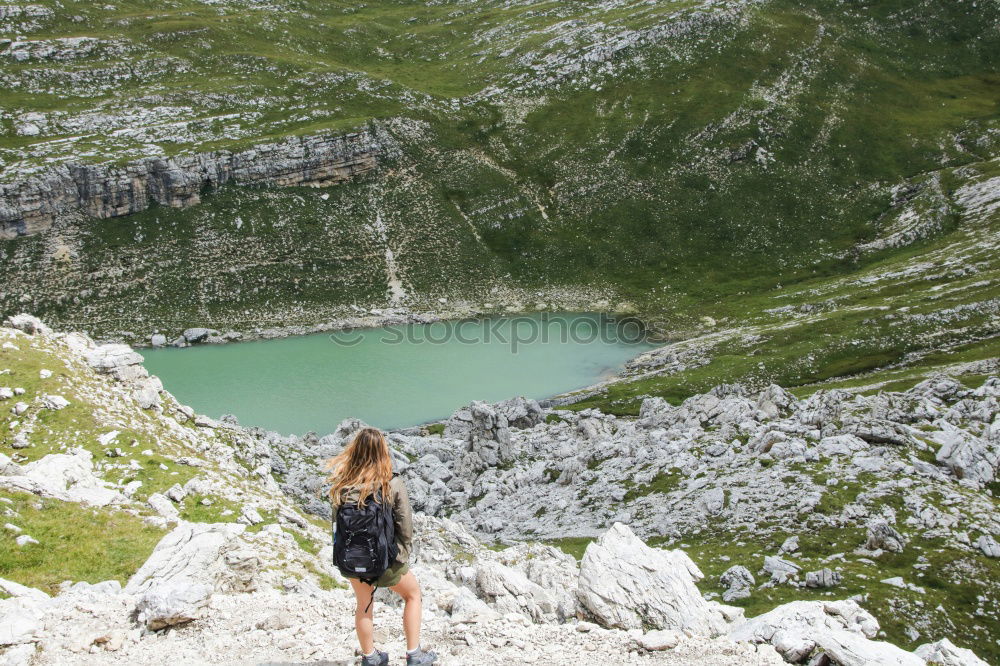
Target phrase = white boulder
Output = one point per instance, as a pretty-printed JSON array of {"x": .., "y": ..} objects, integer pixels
[
  {"x": 64, "y": 476},
  {"x": 626, "y": 584},
  {"x": 988, "y": 545},
  {"x": 968, "y": 457},
  {"x": 945, "y": 653},
  {"x": 28, "y": 324},
  {"x": 20, "y": 621},
  {"x": 175, "y": 583},
  {"x": 841, "y": 630}
]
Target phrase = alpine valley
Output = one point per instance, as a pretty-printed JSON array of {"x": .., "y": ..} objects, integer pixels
[{"x": 799, "y": 201}]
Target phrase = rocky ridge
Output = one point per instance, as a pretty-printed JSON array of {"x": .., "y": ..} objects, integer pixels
[
  {"x": 257, "y": 579},
  {"x": 105, "y": 190}
]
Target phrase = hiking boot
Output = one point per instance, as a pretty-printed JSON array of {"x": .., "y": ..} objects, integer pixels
[
  {"x": 378, "y": 659},
  {"x": 420, "y": 658}
]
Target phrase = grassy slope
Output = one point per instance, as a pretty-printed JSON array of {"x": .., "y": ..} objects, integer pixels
[{"x": 80, "y": 543}]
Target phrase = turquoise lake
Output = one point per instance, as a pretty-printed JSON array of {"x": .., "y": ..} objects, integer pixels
[{"x": 395, "y": 376}]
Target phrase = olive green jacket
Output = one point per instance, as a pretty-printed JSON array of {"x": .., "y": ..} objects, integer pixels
[{"x": 401, "y": 512}]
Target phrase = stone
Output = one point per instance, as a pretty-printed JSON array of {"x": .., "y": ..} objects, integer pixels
[
  {"x": 28, "y": 324},
  {"x": 20, "y": 621},
  {"x": 68, "y": 477},
  {"x": 841, "y": 630},
  {"x": 789, "y": 545},
  {"x": 655, "y": 641},
  {"x": 988, "y": 545},
  {"x": 173, "y": 602},
  {"x": 158, "y": 340},
  {"x": 25, "y": 540},
  {"x": 176, "y": 493},
  {"x": 250, "y": 516},
  {"x": 883, "y": 536},
  {"x": 192, "y": 551},
  {"x": 968, "y": 457},
  {"x": 738, "y": 581},
  {"x": 196, "y": 335},
  {"x": 945, "y": 653},
  {"x": 521, "y": 412},
  {"x": 467, "y": 608},
  {"x": 6, "y": 393},
  {"x": 163, "y": 507},
  {"x": 113, "y": 357},
  {"x": 54, "y": 402},
  {"x": 823, "y": 578},
  {"x": 8, "y": 467},
  {"x": 626, "y": 584},
  {"x": 780, "y": 570},
  {"x": 713, "y": 501},
  {"x": 17, "y": 590}
]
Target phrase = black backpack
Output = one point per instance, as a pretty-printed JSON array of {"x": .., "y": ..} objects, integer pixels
[{"x": 364, "y": 543}]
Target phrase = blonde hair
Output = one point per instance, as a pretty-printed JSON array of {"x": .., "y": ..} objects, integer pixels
[{"x": 364, "y": 464}]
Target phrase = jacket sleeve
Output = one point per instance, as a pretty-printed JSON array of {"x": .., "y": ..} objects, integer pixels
[{"x": 403, "y": 517}]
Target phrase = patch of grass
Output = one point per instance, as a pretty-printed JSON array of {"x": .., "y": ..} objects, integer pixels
[
  {"x": 663, "y": 482},
  {"x": 435, "y": 429},
  {"x": 305, "y": 543},
  {"x": 75, "y": 543},
  {"x": 194, "y": 511},
  {"x": 575, "y": 546}
]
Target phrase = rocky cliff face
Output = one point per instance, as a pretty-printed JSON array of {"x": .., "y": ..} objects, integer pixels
[{"x": 99, "y": 190}]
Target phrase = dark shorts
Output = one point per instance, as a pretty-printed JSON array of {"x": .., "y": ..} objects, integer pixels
[{"x": 393, "y": 575}]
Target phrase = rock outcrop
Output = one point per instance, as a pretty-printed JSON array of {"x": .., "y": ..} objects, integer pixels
[
  {"x": 840, "y": 630},
  {"x": 187, "y": 566},
  {"x": 103, "y": 190},
  {"x": 626, "y": 584}
]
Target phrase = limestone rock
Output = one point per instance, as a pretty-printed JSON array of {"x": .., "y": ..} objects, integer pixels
[
  {"x": 823, "y": 578},
  {"x": 113, "y": 357},
  {"x": 17, "y": 590},
  {"x": 521, "y": 412},
  {"x": 163, "y": 507},
  {"x": 54, "y": 402},
  {"x": 659, "y": 640},
  {"x": 28, "y": 324},
  {"x": 988, "y": 545},
  {"x": 738, "y": 581},
  {"x": 839, "y": 629},
  {"x": 172, "y": 602},
  {"x": 945, "y": 653},
  {"x": 467, "y": 608},
  {"x": 883, "y": 536},
  {"x": 789, "y": 545},
  {"x": 64, "y": 476},
  {"x": 967, "y": 456},
  {"x": 196, "y": 335},
  {"x": 191, "y": 551},
  {"x": 626, "y": 584},
  {"x": 176, "y": 493},
  {"x": 20, "y": 621},
  {"x": 780, "y": 570},
  {"x": 31, "y": 205}
]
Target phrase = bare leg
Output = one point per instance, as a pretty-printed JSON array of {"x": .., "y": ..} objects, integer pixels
[
  {"x": 409, "y": 589},
  {"x": 364, "y": 623}
]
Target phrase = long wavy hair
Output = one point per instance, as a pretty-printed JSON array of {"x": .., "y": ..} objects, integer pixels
[{"x": 364, "y": 464}]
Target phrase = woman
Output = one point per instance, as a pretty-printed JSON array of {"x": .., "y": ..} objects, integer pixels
[{"x": 363, "y": 473}]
